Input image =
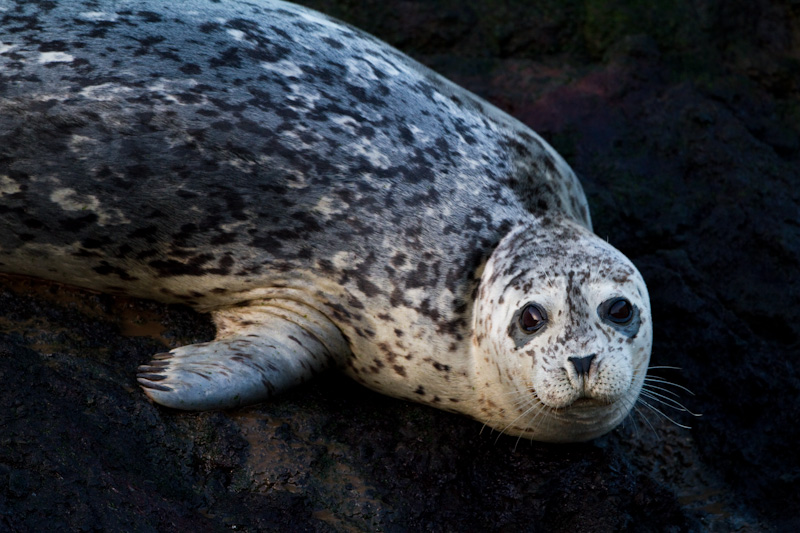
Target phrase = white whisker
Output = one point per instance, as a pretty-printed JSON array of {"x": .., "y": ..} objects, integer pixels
[
  {"x": 647, "y": 421},
  {"x": 657, "y": 379},
  {"x": 661, "y": 413},
  {"x": 651, "y": 387},
  {"x": 669, "y": 402},
  {"x": 525, "y": 412},
  {"x": 625, "y": 407}
]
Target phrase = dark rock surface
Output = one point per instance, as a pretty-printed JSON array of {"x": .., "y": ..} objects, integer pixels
[{"x": 682, "y": 120}]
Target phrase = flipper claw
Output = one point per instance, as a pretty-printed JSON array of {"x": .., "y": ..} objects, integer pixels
[
  {"x": 153, "y": 386},
  {"x": 263, "y": 349},
  {"x": 151, "y": 377},
  {"x": 151, "y": 369}
]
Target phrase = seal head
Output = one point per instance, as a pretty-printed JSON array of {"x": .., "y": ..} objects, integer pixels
[{"x": 562, "y": 334}]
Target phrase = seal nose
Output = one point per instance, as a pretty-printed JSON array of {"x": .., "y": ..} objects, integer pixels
[{"x": 582, "y": 364}]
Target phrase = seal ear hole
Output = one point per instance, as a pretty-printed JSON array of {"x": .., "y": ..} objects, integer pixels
[{"x": 532, "y": 318}]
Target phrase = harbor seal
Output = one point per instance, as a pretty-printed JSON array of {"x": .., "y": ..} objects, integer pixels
[{"x": 331, "y": 203}]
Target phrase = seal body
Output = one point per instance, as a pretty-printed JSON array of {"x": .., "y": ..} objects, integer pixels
[{"x": 329, "y": 200}]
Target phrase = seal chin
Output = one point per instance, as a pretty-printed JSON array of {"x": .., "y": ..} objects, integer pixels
[{"x": 584, "y": 420}]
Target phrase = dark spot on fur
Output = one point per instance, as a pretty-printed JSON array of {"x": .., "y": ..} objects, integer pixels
[
  {"x": 333, "y": 43},
  {"x": 147, "y": 233},
  {"x": 441, "y": 367},
  {"x": 104, "y": 269},
  {"x": 33, "y": 223},
  {"x": 191, "y": 69},
  {"x": 78, "y": 223}
]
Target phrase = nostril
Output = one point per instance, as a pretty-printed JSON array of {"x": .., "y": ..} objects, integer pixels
[{"x": 582, "y": 364}]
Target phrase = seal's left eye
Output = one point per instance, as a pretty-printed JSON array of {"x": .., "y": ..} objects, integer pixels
[{"x": 620, "y": 311}]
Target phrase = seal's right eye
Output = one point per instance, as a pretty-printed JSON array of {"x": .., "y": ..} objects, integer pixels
[
  {"x": 532, "y": 319},
  {"x": 620, "y": 311}
]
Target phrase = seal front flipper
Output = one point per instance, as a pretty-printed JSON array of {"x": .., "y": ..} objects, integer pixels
[{"x": 262, "y": 348}]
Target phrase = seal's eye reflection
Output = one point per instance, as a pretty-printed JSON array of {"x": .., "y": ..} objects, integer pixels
[
  {"x": 620, "y": 311},
  {"x": 532, "y": 319}
]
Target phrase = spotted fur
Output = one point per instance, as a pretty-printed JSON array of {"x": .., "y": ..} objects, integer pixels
[{"x": 329, "y": 200}]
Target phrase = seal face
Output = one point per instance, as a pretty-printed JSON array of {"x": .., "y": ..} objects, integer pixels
[
  {"x": 328, "y": 200},
  {"x": 577, "y": 321}
]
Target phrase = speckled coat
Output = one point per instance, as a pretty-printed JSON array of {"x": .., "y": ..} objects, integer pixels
[{"x": 219, "y": 154}]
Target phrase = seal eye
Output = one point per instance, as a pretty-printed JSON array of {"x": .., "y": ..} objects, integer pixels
[
  {"x": 532, "y": 319},
  {"x": 620, "y": 311}
]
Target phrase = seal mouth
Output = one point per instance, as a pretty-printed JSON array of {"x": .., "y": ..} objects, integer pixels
[
  {"x": 584, "y": 405},
  {"x": 585, "y": 402}
]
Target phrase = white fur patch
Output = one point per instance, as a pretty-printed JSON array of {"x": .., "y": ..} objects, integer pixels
[
  {"x": 98, "y": 16},
  {"x": 70, "y": 200},
  {"x": 8, "y": 186},
  {"x": 55, "y": 57},
  {"x": 284, "y": 68}
]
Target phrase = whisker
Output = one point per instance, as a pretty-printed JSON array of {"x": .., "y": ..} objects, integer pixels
[
  {"x": 528, "y": 404},
  {"x": 657, "y": 379},
  {"x": 517, "y": 442},
  {"x": 647, "y": 421},
  {"x": 528, "y": 399},
  {"x": 661, "y": 413},
  {"x": 542, "y": 415},
  {"x": 669, "y": 402},
  {"x": 624, "y": 406},
  {"x": 525, "y": 412},
  {"x": 491, "y": 428},
  {"x": 633, "y": 411},
  {"x": 518, "y": 399},
  {"x": 651, "y": 387},
  {"x": 525, "y": 393}
]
